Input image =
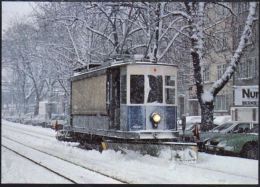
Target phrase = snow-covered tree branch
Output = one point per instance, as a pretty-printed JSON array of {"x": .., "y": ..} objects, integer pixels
[{"x": 206, "y": 96}]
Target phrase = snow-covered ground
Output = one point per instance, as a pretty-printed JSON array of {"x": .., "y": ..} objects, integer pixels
[
  {"x": 131, "y": 167},
  {"x": 17, "y": 169}
]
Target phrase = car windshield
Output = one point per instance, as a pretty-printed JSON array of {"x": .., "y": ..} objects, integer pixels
[
  {"x": 222, "y": 127},
  {"x": 254, "y": 130}
]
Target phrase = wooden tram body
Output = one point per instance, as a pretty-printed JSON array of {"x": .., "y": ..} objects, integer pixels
[{"x": 125, "y": 100}]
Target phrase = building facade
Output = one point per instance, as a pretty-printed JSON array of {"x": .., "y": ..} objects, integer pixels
[
  {"x": 223, "y": 41},
  {"x": 246, "y": 78}
]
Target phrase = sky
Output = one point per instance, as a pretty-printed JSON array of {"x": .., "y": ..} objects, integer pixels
[{"x": 14, "y": 10}]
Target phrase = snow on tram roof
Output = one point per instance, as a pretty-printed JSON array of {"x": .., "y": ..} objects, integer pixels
[{"x": 112, "y": 64}]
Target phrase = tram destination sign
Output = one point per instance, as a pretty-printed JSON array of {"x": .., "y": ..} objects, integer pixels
[{"x": 246, "y": 95}]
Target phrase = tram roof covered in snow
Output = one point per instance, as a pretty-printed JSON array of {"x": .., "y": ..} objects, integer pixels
[{"x": 114, "y": 61}]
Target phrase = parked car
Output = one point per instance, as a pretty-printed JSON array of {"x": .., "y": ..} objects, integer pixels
[
  {"x": 188, "y": 135},
  {"x": 235, "y": 126},
  {"x": 244, "y": 145},
  {"x": 15, "y": 119},
  {"x": 65, "y": 135},
  {"x": 225, "y": 128},
  {"x": 196, "y": 120},
  {"x": 38, "y": 121},
  {"x": 191, "y": 120},
  {"x": 27, "y": 118},
  {"x": 218, "y": 120}
]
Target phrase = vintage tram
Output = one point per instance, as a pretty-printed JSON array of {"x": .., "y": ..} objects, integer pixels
[{"x": 126, "y": 101}]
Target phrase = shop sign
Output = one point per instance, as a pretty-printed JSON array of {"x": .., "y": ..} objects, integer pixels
[{"x": 246, "y": 95}]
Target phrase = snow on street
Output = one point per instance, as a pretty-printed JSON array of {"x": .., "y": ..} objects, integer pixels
[
  {"x": 78, "y": 174},
  {"x": 131, "y": 167},
  {"x": 19, "y": 170}
]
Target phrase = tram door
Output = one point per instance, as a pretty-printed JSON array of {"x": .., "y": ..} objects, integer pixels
[{"x": 114, "y": 99}]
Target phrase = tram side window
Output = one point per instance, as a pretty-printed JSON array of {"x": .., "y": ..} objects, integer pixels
[
  {"x": 170, "y": 89},
  {"x": 156, "y": 87},
  {"x": 123, "y": 89},
  {"x": 137, "y": 89}
]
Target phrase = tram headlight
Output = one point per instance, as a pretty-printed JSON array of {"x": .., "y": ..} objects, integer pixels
[{"x": 156, "y": 118}]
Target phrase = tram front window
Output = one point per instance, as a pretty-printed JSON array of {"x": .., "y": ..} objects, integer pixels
[
  {"x": 170, "y": 89},
  {"x": 137, "y": 89},
  {"x": 155, "y": 94}
]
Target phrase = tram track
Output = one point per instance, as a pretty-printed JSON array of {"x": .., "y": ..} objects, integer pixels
[
  {"x": 31, "y": 133},
  {"x": 68, "y": 161},
  {"x": 39, "y": 164},
  {"x": 218, "y": 171},
  {"x": 124, "y": 181}
]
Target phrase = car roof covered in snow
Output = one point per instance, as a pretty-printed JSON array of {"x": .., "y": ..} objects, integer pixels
[{"x": 218, "y": 120}]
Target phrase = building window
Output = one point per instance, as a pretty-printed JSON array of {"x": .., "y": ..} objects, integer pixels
[
  {"x": 246, "y": 69},
  {"x": 252, "y": 38},
  {"x": 224, "y": 11},
  {"x": 255, "y": 68},
  {"x": 238, "y": 32},
  {"x": 209, "y": 44},
  {"x": 221, "y": 70},
  {"x": 242, "y": 7},
  {"x": 205, "y": 74},
  {"x": 221, "y": 42},
  {"x": 246, "y": 6},
  {"x": 221, "y": 102},
  {"x": 239, "y": 8}
]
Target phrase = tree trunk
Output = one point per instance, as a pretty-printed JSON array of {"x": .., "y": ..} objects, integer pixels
[
  {"x": 207, "y": 110},
  {"x": 25, "y": 106},
  {"x": 36, "y": 108}
]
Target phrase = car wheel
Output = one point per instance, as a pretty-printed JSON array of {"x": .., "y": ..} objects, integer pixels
[{"x": 250, "y": 151}]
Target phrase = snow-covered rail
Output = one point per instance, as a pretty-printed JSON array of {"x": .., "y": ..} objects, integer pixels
[
  {"x": 221, "y": 171},
  {"x": 28, "y": 131},
  {"x": 130, "y": 167},
  {"x": 39, "y": 164},
  {"x": 31, "y": 134},
  {"x": 29, "y": 151}
]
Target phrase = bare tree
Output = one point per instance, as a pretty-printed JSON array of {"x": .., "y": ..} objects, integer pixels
[
  {"x": 24, "y": 56},
  {"x": 70, "y": 35},
  {"x": 196, "y": 11},
  {"x": 97, "y": 30}
]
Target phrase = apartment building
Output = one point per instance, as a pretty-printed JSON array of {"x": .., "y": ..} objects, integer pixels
[
  {"x": 246, "y": 78},
  {"x": 223, "y": 34}
]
